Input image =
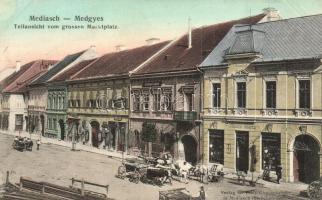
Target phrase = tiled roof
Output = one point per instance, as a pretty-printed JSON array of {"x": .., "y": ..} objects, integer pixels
[
  {"x": 179, "y": 57},
  {"x": 119, "y": 63},
  {"x": 35, "y": 70},
  {"x": 57, "y": 68},
  {"x": 295, "y": 38},
  {"x": 68, "y": 73},
  {"x": 7, "y": 81}
]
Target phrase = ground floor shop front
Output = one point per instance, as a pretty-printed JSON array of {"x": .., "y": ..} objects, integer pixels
[
  {"x": 105, "y": 132},
  {"x": 180, "y": 138},
  {"x": 255, "y": 146},
  {"x": 14, "y": 121},
  {"x": 36, "y": 122},
  {"x": 56, "y": 125}
]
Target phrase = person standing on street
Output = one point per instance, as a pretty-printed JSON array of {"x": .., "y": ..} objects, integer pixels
[
  {"x": 38, "y": 144},
  {"x": 202, "y": 193},
  {"x": 184, "y": 172},
  {"x": 278, "y": 169}
]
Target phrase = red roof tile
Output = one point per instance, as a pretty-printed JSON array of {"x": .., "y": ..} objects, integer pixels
[
  {"x": 119, "y": 63},
  {"x": 26, "y": 76},
  {"x": 73, "y": 70},
  {"x": 7, "y": 81},
  {"x": 179, "y": 57}
]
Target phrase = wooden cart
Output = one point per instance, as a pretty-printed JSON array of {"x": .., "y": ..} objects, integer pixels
[{"x": 314, "y": 190}]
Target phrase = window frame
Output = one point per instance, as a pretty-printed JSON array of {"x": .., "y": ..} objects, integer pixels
[
  {"x": 212, "y": 95},
  {"x": 267, "y": 95},
  {"x": 236, "y": 94},
  {"x": 298, "y": 90}
]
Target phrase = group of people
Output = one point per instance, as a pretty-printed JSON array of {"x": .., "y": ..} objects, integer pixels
[{"x": 25, "y": 142}]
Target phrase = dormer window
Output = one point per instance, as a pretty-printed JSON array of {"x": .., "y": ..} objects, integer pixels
[{"x": 247, "y": 44}]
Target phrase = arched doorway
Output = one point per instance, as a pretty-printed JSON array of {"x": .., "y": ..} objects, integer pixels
[
  {"x": 306, "y": 160},
  {"x": 95, "y": 129},
  {"x": 62, "y": 129},
  {"x": 190, "y": 148}
]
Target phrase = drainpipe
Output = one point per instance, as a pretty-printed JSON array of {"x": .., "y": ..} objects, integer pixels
[{"x": 201, "y": 90}]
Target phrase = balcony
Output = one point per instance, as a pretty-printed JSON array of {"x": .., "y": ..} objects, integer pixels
[{"x": 185, "y": 115}]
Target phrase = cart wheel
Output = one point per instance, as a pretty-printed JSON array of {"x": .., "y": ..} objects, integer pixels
[
  {"x": 314, "y": 190},
  {"x": 121, "y": 172}
]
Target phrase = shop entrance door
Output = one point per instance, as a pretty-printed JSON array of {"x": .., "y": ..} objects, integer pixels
[
  {"x": 62, "y": 129},
  {"x": 95, "y": 129},
  {"x": 190, "y": 148},
  {"x": 242, "y": 151}
]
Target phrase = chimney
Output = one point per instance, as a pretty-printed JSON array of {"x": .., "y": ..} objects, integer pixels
[
  {"x": 271, "y": 14},
  {"x": 189, "y": 32},
  {"x": 119, "y": 48},
  {"x": 18, "y": 65},
  {"x": 93, "y": 47},
  {"x": 152, "y": 41}
]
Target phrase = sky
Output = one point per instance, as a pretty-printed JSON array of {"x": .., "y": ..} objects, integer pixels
[{"x": 136, "y": 21}]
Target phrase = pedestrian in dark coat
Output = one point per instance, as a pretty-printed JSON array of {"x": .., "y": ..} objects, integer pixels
[
  {"x": 278, "y": 169},
  {"x": 202, "y": 193}
]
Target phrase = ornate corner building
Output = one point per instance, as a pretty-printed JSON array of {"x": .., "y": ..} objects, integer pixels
[{"x": 262, "y": 88}]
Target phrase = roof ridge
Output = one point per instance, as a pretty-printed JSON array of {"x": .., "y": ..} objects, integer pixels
[
  {"x": 90, "y": 64},
  {"x": 229, "y": 21},
  {"x": 154, "y": 55},
  {"x": 115, "y": 53},
  {"x": 90, "y": 61},
  {"x": 287, "y": 19}
]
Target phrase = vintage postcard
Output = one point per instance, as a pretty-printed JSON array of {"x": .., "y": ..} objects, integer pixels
[{"x": 160, "y": 99}]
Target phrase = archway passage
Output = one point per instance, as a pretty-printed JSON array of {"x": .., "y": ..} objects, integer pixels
[
  {"x": 62, "y": 129},
  {"x": 190, "y": 148},
  {"x": 306, "y": 161},
  {"x": 95, "y": 129}
]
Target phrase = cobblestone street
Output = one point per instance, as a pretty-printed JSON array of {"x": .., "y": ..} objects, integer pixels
[{"x": 58, "y": 165}]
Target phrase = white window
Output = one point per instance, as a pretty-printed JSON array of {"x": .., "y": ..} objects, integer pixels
[
  {"x": 145, "y": 102},
  {"x": 216, "y": 94}
]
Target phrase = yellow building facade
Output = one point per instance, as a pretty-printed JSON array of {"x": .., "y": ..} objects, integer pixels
[
  {"x": 287, "y": 121},
  {"x": 262, "y": 100}
]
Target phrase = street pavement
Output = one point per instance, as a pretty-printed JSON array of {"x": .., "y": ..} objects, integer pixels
[{"x": 58, "y": 164}]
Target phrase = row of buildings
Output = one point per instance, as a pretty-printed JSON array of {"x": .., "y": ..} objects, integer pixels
[{"x": 242, "y": 93}]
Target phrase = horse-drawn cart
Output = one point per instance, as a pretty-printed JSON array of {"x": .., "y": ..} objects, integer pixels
[
  {"x": 314, "y": 190},
  {"x": 139, "y": 170},
  {"x": 216, "y": 174},
  {"x": 131, "y": 169},
  {"x": 156, "y": 175}
]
